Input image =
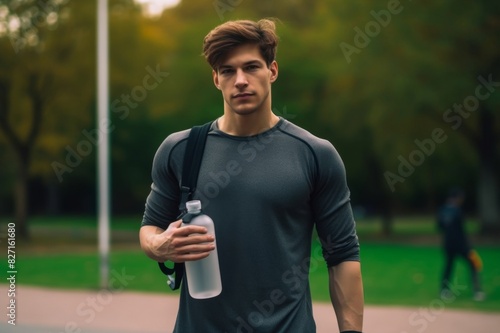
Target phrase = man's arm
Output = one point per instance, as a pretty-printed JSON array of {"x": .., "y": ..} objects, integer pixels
[
  {"x": 346, "y": 293},
  {"x": 176, "y": 243}
]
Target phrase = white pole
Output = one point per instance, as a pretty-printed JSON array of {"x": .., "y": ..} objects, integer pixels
[{"x": 103, "y": 146}]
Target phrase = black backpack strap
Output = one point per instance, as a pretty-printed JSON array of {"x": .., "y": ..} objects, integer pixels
[
  {"x": 191, "y": 164},
  {"x": 174, "y": 275},
  {"x": 190, "y": 171}
]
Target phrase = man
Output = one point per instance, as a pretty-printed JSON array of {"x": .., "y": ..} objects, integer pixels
[
  {"x": 455, "y": 243},
  {"x": 266, "y": 183}
]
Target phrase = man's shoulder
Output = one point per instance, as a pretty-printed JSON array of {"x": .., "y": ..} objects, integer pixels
[
  {"x": 315, "y": 143},
  {"x": 174, "y": 143},
  {"x": 173, "y": 140},
  {"x": 179, "y": 136}
]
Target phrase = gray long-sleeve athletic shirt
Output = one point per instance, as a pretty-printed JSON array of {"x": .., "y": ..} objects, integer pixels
[{"x": 265, "y": 194}]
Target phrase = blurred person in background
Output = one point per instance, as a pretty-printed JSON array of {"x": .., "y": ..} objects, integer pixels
[{"x": 451, "y": 224}]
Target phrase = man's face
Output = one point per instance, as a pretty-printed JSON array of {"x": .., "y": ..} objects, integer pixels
[{"x": 245, "y": 80}]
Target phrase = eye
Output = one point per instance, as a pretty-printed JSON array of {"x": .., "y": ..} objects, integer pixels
[
  {"x": 252, "y": 67},
  {"x": 226, "y": 71}
]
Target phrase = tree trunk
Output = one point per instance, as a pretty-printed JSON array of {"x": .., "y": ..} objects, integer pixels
[
  {"x": 21, "y": 199},
  {"x": 53, "y": 199},
  {"x": 487, "y": 194},
  {"x": 22, "y": 147},
  {"x": 382, "y": 198}
]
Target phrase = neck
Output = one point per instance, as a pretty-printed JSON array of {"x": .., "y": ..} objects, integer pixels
[{"x": 248, "y": 124}]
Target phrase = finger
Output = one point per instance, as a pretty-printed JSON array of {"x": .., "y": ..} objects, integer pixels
[
  {"x": 193, "y": 239},
  {"x": 190, "y": 229},
  {"x": 193, "y": 256},
  {"x": 196, "y": 248},
  {"x": 177, "y": 223},
  {"x": 174, "y": 225},
  {"x": 192, "y": 252}
]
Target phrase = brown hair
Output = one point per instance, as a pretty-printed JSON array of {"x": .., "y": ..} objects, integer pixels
[{"x": 229, "y": 35}]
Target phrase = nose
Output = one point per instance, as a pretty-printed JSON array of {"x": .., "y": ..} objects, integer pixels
[{"x": 241, "y": 79}]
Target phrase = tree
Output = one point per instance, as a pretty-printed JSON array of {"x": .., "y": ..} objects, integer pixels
[
  {"x": 394, "y": 72},
  {"x": 35, "y": 86},
  {"x": 455, "y": 61}
]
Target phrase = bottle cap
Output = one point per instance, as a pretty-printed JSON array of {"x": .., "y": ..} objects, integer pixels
[{"x": 193, "y": 206}]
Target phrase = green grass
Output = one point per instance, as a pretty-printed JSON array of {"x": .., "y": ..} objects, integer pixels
[
  {"x": 63, "y": 255},
  {"x": 409, "y": 275},
  {"x": 392, "y": 274}
]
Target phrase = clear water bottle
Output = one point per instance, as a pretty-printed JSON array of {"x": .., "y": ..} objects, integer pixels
[{"x": 203, "y": 276}]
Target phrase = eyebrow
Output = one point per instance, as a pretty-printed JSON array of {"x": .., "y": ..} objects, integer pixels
[{"x": 251, "y": 62}]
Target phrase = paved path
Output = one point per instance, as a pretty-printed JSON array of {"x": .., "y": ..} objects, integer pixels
[{"x": 41, "y": 310}]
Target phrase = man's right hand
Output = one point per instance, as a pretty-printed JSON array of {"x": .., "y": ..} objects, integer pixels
[{"x": 176, "y": 243}]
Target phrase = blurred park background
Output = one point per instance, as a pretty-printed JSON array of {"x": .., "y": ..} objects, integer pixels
[{"x": 407, "y": 91}]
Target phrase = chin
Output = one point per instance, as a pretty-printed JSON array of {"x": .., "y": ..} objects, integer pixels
[{"x": 244, "y": 111}]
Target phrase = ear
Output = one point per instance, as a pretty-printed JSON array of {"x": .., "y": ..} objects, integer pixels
[
  {"x": 273, "y": 68},
  {"x": 215, "y": 77}
]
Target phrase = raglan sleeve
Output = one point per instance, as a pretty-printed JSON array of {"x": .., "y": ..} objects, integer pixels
[
  {"x": 332, "y": 208},
  {"x": 161, "y": 206}
]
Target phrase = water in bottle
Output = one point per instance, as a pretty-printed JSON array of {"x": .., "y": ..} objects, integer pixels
[{"x": 203, "y": 276}]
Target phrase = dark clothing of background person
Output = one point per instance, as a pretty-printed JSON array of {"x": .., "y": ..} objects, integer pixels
[{"x": 455, "y": 243}]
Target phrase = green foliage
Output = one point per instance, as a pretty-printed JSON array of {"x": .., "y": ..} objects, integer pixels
[
  {"x": 62, "y": 79},
  {"x": 372, "y": 104}
]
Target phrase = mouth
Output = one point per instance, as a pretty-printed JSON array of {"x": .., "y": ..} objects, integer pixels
[{"x": 243, "y": 95}]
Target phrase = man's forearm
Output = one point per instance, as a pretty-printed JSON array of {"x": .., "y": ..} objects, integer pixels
[
  {"x": 346, "y": 293},
  {"x": 145, "y": 235}
]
